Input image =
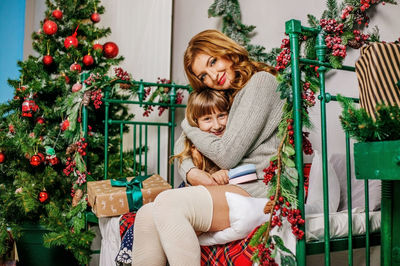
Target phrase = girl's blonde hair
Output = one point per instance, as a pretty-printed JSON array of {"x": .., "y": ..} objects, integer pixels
[
  {"x": 201, "y": 103},
  {"x": 216, "y": 44}
]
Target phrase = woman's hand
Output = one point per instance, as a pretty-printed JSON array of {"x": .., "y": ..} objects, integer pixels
[
  {"x": 197, "y": 177},
  {"x": 221, "y": 177}
]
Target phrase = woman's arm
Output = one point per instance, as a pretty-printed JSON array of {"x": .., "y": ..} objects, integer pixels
[{"x": 256, "y": 111}]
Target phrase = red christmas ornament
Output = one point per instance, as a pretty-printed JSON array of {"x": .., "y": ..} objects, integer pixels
[
  {"x": 41, "y": 155},
  {"x": 76, "y": 87},
  {"x": 35, "y": 160},
  {"x": 49, "y": 27},
  {"x": 43, "y": 196},
  {"x": 88, "y": 60},
  {"x": 40, "y": 120},
  {"x": 76, "y": 67},
  {"x": 54, "y": 161},
  {"x": 98, "y": 47},
  {"x": 110, "y": 50},
  {"x": 71, "y": 40},
  {"x": 95, "y": 17},
  {"x": 2, "y": 157},
  {"x": 57, "y": 14},
  {"x": 47, "y": 60},
  {"x": 29, "y": 107}
]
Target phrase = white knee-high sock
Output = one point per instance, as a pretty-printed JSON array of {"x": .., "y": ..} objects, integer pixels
[
  {"x": 147, "y": 249},
  {"x": 178, "y": 214}
]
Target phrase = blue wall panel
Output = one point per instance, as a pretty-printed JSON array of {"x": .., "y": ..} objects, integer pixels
[{"x": 12, "y": 21}]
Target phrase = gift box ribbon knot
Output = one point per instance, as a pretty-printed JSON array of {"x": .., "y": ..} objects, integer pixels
[{"x": 133, "y": 190}]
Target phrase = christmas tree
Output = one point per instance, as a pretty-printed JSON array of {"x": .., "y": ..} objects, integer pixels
[{"x": 43, "y": 170}]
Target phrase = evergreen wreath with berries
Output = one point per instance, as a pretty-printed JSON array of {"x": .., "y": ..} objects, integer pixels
[{"x": 343, "y": 24}]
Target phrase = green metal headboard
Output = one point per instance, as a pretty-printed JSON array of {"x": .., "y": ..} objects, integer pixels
[
  {"x": 142, "y": 125},
  {"x": 294, "y": 29}
]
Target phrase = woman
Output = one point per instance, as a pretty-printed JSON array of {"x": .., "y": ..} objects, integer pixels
[{"x": 167, "y": 228}]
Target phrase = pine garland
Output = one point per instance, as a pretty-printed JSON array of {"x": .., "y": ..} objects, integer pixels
[{"x": 342, "y": 24}]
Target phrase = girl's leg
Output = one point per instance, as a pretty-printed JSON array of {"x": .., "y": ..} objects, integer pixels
[
  {"x": 179, "y": 213},
  {"x": 147, "y": 249}
]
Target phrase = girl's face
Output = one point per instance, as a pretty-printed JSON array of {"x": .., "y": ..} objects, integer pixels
[
  {"x": 214, "y": 123},
  {"x": 214, "y": 72}
]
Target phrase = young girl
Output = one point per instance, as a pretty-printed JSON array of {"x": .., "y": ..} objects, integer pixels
[{"x": 207, "y": 110}]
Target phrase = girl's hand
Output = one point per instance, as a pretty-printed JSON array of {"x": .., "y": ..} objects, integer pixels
[
  {"x": 221, "y": 177},
  {"x": 197, "y": 177}
]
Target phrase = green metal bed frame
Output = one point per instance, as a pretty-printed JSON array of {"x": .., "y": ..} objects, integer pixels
[
  {"x": 293, "y": 29},
  {"x": 327, "y": 245}
]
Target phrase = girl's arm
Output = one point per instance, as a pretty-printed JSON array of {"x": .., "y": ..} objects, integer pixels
[
  {"x": 256, "y": 111},
  {"x": 188, "y": 171}
]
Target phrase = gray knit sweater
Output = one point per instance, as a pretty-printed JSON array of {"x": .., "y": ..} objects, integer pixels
[{"x": 250, "y": 135}]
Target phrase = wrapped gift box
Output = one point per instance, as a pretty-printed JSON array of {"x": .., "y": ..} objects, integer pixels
[{"x": 114, "y": 197}]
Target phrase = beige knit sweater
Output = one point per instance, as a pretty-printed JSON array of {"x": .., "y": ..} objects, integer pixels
[{"x": 250, "y": 135}]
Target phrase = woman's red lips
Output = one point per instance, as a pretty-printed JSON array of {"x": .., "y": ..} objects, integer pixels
[{"x": 221, "y": 81}]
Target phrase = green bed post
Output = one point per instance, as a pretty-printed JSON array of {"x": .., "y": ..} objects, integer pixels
[
  {"x": 386, "y": 224},
  {"x": 349, "y": 202},
  {"x": 172, "y": 97},
  {"x": 293, "y": 28},
  {"x": 320, "y": 48}
]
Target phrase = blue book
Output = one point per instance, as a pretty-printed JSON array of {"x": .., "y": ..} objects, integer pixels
[{"x": 241, "y": 170}]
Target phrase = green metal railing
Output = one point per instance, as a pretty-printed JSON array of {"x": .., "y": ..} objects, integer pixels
[
  {"x": 328, "y": 245},
  {"x": 140, "y": 129}
]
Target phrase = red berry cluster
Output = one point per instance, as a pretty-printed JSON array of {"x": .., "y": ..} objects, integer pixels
[
  {"x": 121, "y": 74},
  {"x": 147, "y": 110},
  {"x": 96, "y": 97},
  {"x": 283, "y": 209},
  {"x": 81, "y": 178},
  {"x": 270, "y": 172},
  {"x": 290, "y": 131},
  {"x": 365, "y": 4},
  {"x": 308, "y": 95},
  {"x": 82, "y": 146},
  {"x": 178, "y": 100},
  {"x": 360, "y": 37},
  {"x": 283, "y": 59},
  {"x": 307, "y": 146},
  {"x": 264, "y": 254},
  {"x": 331, "y": 26},
  {"x": 335, "y": 43},
  {"x": 294, "y": 218},
  {"x": 92, "y": 78},
  {"x": 69, "y": 166},
  {"x": 346, "y": 12}
]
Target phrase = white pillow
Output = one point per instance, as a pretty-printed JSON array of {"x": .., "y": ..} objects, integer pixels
[
  {"x": 245, "y": 214},
  {"x": 315, "y": 201},
  {"x": 338, "y": 161}
]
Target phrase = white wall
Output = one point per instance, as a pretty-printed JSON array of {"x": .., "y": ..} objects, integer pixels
[{"x": 190, "y": 17}]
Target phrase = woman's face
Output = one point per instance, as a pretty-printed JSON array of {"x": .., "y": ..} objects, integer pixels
[
  {"x": 214, "y": 72},
  {"x": 214, "y": 123}
]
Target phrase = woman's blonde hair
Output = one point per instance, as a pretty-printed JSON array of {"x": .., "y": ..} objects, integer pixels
[
  {"x": 201, "y": 103},
  {"x": 216, "y": 44}
]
